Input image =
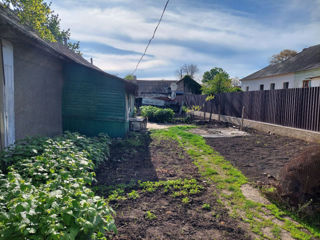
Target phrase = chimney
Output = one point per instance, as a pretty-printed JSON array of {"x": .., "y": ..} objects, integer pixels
[
  {"x": 91, "y": 60},
  {"x": 65, "y": 41}
]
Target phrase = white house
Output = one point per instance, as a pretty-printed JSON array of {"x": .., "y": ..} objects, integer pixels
[{"x": 302, "y": 70}]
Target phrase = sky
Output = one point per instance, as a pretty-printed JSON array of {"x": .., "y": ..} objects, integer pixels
[{"x": 239, "y": 36}]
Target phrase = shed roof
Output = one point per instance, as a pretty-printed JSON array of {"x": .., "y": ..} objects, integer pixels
[
  {"x": 308, "y": 58},
  {"x": 54, "y": 48},
  {"x": 154, "y": 86}
]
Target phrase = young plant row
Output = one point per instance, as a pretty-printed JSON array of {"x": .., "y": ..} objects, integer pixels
[
  {"x": 178, "y": 188},
  {"x": 44, "y": 190}
]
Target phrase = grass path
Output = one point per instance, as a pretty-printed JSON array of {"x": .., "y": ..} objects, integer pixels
[{"x": 264, "y": 219}]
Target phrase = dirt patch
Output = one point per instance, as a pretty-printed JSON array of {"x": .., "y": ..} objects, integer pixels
[
  {"x": 253, "y": 194},
  {"x": 175, "y": 220},
  {"x": 145, "y": 159},
  {"x": 218, "y": 132},
  {"x": 153, "y": 159},
  {"x": 259, "y": 156}
]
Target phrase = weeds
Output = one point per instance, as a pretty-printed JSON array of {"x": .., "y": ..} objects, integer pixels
[
  {"x": 215, "y": 168},
  {"x": 133, "y": 195},
  {"x": 206, "y": 206},
  {"x": 185, "y": 200},
  {"x": 150, "y": 216}
]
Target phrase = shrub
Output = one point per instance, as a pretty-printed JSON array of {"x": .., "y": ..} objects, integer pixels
[
  {"x": 96, "y": 148},
  {"x": 46, "y": 196},
  {"x": 300, "y": 179},
  {"x": 155, "y": 114}
]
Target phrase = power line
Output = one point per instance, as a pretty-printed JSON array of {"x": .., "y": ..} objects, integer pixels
[{"x": 154, "y": 33}]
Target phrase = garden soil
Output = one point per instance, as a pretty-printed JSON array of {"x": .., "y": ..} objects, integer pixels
[
  {"x": 155, "y": 160},
  {"x": 259, "y": 156}
]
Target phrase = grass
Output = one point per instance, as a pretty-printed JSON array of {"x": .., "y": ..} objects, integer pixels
[{"x": 215, "y": 168}]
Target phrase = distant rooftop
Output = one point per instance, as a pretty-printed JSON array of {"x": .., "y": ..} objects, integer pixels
[
  {"x": 308, "y": 58},
  {"x": 154, "y": 86}
]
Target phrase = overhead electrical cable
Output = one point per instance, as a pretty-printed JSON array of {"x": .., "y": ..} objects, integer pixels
[{"x": 154, "y": 34}]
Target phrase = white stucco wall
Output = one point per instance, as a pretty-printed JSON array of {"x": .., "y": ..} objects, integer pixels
[
  {"x": 304, "y": 75},
  {"x": 295, "y": 80},
  {"x": 254, "y": 85}
]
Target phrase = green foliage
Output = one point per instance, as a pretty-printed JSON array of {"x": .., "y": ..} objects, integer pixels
[
  {"x": 45, "y": 193},
  {"x": 155, "y": 114},
  {"x": 133, "y": 195},
  {"x": 130, "y": 77},
  {"x": 96, "y": 148},
  {"x": 194, "y": 108},
  {"x": 38, "y": 15},
  {"x": 23, "y": 149},
  {"x": 219, "y": 84},
  {"x": 209, "y": 75},
  {"x": 206, "y": 206},
  {"x": 177, "y": 188},
  {"x": 185, "y": 200},
  {"x": 150, "y": 216}
]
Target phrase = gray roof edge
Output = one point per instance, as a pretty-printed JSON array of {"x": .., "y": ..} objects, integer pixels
[
  {"x": 279, "y": 74},
  {"x": 298, "y": 56}
]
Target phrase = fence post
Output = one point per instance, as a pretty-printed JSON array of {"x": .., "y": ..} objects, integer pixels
[
  {"x": 242, "y": 116},
  {"x": 180, "y": 110},
  {"x": 219, "y": 108},
  {"x": 210, "y": 111}
]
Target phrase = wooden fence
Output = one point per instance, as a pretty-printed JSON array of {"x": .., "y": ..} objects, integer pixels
[{"x": 298, "y": 107}]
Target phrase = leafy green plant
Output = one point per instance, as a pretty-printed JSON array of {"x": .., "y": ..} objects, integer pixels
[
  {"x": 150, "y": 216},
  {"x": 44, "y": 194},
  {"x": 133, "y": 195},
  {"x": 155, "y": 114},
  {"x": 26, "y": 148},
  {"x": 206, "y": 206},
  {"x": 185, "y": 200}
]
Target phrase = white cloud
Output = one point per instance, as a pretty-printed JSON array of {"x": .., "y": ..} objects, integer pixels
[{"x": 123, "y": 25}]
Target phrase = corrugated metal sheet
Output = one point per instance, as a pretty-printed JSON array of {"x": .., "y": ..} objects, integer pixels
[{"x": 93, "y": 103}]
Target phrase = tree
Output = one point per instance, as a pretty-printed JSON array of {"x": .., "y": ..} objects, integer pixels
[
  {"x": 282, "y": 56},
  {"x": 130, "y": 77},
  {"x": 38, "y": 15},
  {"x": 187, "y": 69},
  {"x": 219, "y": 84},
  {"x": 209, "y": 75}
]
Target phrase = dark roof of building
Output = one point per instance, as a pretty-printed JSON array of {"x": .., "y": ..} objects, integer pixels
[
  {"x": 307, "y": 59},
  {"x": 154, "y": 86},
  {"x": 56, "y": 49}
]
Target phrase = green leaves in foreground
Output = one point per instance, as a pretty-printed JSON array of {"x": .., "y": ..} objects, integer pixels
[{"x": 46, "y": 196}]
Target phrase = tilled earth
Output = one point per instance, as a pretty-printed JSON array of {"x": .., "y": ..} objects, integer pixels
[
  {"x": 259, "y": 156},
  {"x": 146, "y": 159}
]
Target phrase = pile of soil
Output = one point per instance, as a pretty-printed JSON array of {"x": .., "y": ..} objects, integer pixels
[{"x": 154, "y": 160}]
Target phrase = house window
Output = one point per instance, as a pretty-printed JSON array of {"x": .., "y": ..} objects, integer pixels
[
  {"x": 306, "y": 84},
  {"x": 247, "y": 88},
  {"x": 285, "y": 85},
  {"x": 272, "y": 86},
  {"x": 261, "y": 87}
]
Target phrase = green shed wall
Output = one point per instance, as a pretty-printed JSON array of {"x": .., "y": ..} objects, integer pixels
[{"x": 93, "y": 103}]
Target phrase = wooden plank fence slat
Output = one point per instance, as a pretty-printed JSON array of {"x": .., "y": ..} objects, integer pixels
[{"x": 298, "y": 107}]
